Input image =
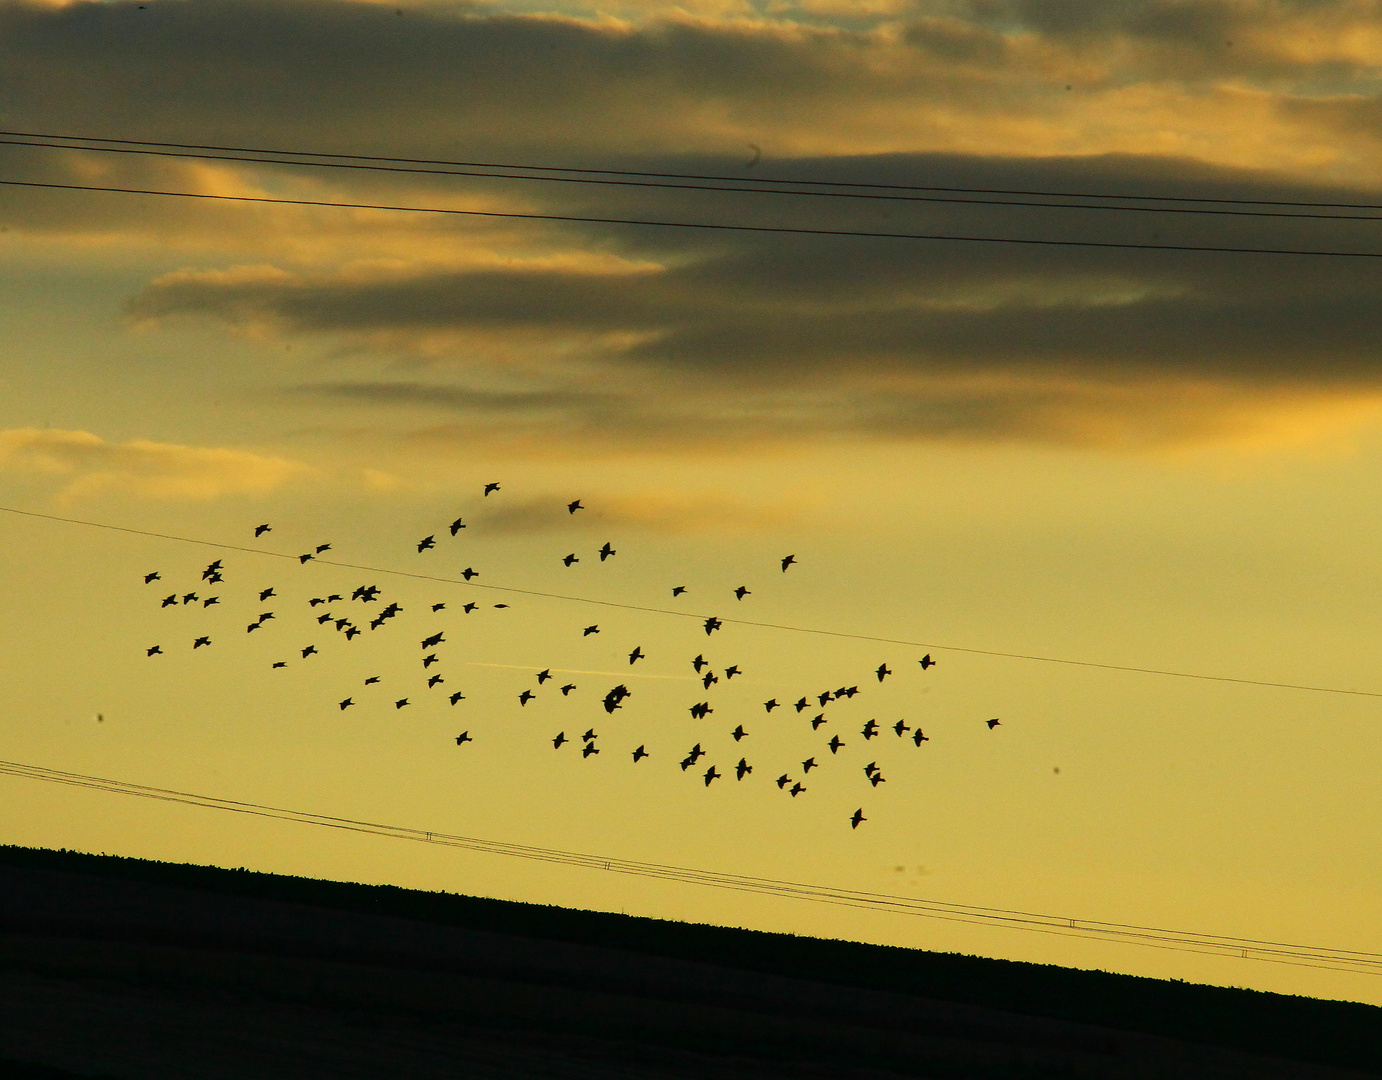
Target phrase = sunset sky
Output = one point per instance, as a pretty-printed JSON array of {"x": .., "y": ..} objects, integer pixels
[{"x": 1135, "y": 456}]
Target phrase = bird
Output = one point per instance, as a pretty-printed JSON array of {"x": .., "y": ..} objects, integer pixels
[
  {"x": 711, "y": 774},
  {"x": 787, "y": 560},
  {"x": 323, "y": 547},
  {"x": 566, "y": 690},
  {"x": 711, "y": 625},
  {"x": 333, "y": 597},
  {"x": 435, "y": 639},
  {"x": 366, "y": 593},
  {"x": 639, "y": 754},
  {"x": 490, "y": 487},
  {"x": 187, "y": 598},
  {"x": 870, "y": 729},
  {"x": 153, "y": 650},
  {"x": 857, "y": 817},
  {"x": 347, "y": 703},
  {"x": 677, "y": 590},
  {"x": 316, "y": 600},
  {"x": 253, "y": 626},
  {"x": 817, "y": 721},
  {"x": 457, "y": 526},
  {"x": 835, "y": 743},
  {"x": 469, "y": 572},
  {"x": 686, "y": 763},
  {"x": 199, "y": 642},
  {"x": 305, "y": 557},
  {"x": 637, "y": 654},
  {"x": 606, "y": 551},
  {"x": 571, "y": 558},
  {"x": 260, "y": 530},
  {"x": 211, "y": 600},
  {"x": 572, "y": 507},
  {"x": 883, "y": 672},
  {"x": 808, "y": 765},
  {"x": 153, "y": 576},
  {"x": 400, "y": 703},
  {"x": 844, "y": 691},
  {"x": 279, "y": 663},
  {"x": 900, "y": 727},
  {"x": 463, "y": 737},
  {"x": 796, "y": 789},
  {"x": 870, "y": 768},
  {"x": 352, "y": 632},
  {"x": 425, "y": 543},
  {"x": 783, "y": 781},
  {"x": 469, "y": 608},
  {"x": 544, "y": 675},
  {"x": 264, "y": 594},
  {"x": 877, "y": 778},
  {"x": 701, "y": 710},
  {"x": 265, "y": 616},
  {"x": 742, "y": 592},
  {"x": 770, "y": 705},
  {"x": 457, "y": 696},
  {"x": 438, "y": 607},
  {"x": 732, "y": 671},
  {"x": 742, "y": 769},
  {"x": 429, "y": 660},
  {"x": 823, "y": 698},
  {"x": 372, "y": 680},
  {"x": 926, "y": 662},
  {"x": 592, "y": 629},
  {"x": 323, "y": 619},
  {"x": 588, "y": 749},
  {"x": 993, "y": 723},
  {"x": 710, "y": 679},
  {"x": 699, "y": 663},
  {"x": 589, "y": 735},
  {"x": 309, "y": 651},
  {"x": 739, "y": 733},
  {"x": 801, "y": 705},
  {"x": 695, "y": 754},
  {"x": 215, "y": 579},
  {"x": 561, "y": 738},
  {"x": 850, "y": 691},
  {"x": 526, "y": 697},
  {"x": 212, "y": 568},
  {"x": 169, "y": 601},
  {"x": 434, "y": 680},
  {"x": 919, "y": 738}
]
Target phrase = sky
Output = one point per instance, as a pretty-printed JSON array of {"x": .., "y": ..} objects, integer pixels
[{"x": 1109, "y": 449}]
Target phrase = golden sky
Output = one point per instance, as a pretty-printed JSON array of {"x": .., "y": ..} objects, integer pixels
[{"x": 1133, "y": 456}]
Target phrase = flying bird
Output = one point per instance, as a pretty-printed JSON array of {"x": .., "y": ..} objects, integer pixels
[
  {"x": 425, "y": 543},
  {"x": 260, "y": 530},
  {"x": 572, "y": 507},
  {"x": 606, "y": 551},
  {"x": 429, "y": 660},
  {"x": 279, "y": 663},
  {"x": 565, "y": 690},
  {"x": 501, "y": 605},
  {"x": 589, "y": 735},
  {"x": 770, "y": 705},
  {"x": 742, "y": 592},
  {"x": 351, "y": 633},
  {"x": 438, "y": 607},
  {"x": 434, "y": 680},
  {"x": 469, "y": 608},
  {"x": 588, "y": 749},
  {"x": 701, "y": 710},
  {"x": 199, "y": 642},
  {"x": 711, "y": 625},
  {"x": 215, "y": 579},
  {"x": 796, "y": 789},
  {"x": 592, "y": 629},
  {"x": 187, "y": 598},
  {"x": 463, "y": 737},
  {"x": 315, "y": 601},
  {"x": 561, "y": 738},
  {"x": 870, "y": 768},
  {"x": 817, "y": 721},
  {"x": 808, "y": 765},
  {"x": 347, "y": 703},
  {"x": 801, "y": 705},
  {"x": 324, "y": 619},
  {"x": 309, "y": 651},
  {"x": 877, "y": 778},
  {"x": 823, "y": 698},
  {"x": 526, "y": 697},
  {"x": 211, "y": 600},
  {"x": 677, "y": 590},
  {"x": 738, "y": 732},
  {"x": 334, "y": 596},
  {"x": 787, "y": 560},
  {"x": 900, "y": 727},
  {"x": 457, "y": 696},
  {"x": 835, "y": 743},
  {"x": 435, "y": 639},
  {"x": 919, "y": 738},
  {"x": 711, "y": 774},
  {"x": 169, "y": 601},
  {"x": 305, "y": 557},
  {"x": 883, "y": 672},
  {"x": 211, "y": 568},
  {"x": 742, "y": 769},
  {"x": 993, "y": 723},
  {"x": 153, "y": 650},
  {"x": 571, "y": 558},
  {"x": 544, "y": 675},
  {"x": 639, "y": 754},
  {"x": 926, "y": 662},
  {"x": 264, "y": 594},
  {"x": 870, "y": 729},
  {"x": 400, "y": 703},
  {"x": 783, "y": 781},
  {"x": 154, "y": 576},
  {"x": 732, "y": 671},
  {"x": 695, "y": 753},
  {"x": 323, "y": 547},
  {"x": 699, "y": 663},
  {"x": 253, "y": 626},
  {"x": 710, "y": 679},
  {"x": 490, "y": 487},
  {"x": 857, "y": 817},
  {"x": 457, "y": 526},
  {"x": 469, "y": 573},
  {"x": 372, "y": 680},
  {"x": 265, "y": 616},
  {"x": 637, "y": 654}
]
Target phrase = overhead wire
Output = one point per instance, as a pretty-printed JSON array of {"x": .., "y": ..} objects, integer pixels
[
  {"x": 1349, "y": 960},
  {"x": 543, "y": 594}
]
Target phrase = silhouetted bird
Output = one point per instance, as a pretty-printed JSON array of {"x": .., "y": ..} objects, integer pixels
[
  {"x": 699, "y": 663},
  {"x": 315, "y": 601},
  {"x": 801, "y": 705},
  {"x": 742, "y": 769},
  {"x": 711, "y": 774},
  {"x": 438, "y": 607},
  {"x": 187, "y": 598},
  {"x": 639, "y": 754},
  {"x": 491, "y": 487},
  {"x": 199, "y": 642},
  {"x": 686, "y": 763},
  {"x": 787, "y": 560},
  {"x": 323, "y": 547},
  {"x": 857, "y": 817},
  {"x": 375, "y": 624},
  {"x": 279, "y": 663},
  {"x": 565, "y": 690},
  {"x": 169, "y": 601},
  {"x": 572, "y": 507},
  {"x": 883, "y": 672},
  {"x": 637, "y": 654},
  {"x": 334, "y": 596},
  {"x": 264, "y": 594},
  {"x": 260, "y": 530},
  {"x": 463, "y": 737},
  {"x": 323, "y": 619},
  {"x": 390, "y": 611},
  {"x": 770, "y": 705},
  {"x": 741, "y": 592},
  {"x": 469, "y": 572},
  {"x": 588, "y": 749},
  {"x": 808, "y": 765},
  {"x": 695, "y": 753},
  {"x": 400, "y": 703},
  {"x": 211, "y": 568},
  {"x": 701, "y": 711},
  {"x": 783, "y": 781},
  {"x": 738, "y": 732},
  {"x": 870, "y": 768},
  {"x": 352, "y": 633},
  {"x": 372, "y": 680},
  {"x": 434, "y": 680},
  {"x": 850, "y": 691},
  {"x": 425, "y": 543},
  {"x": 796, "y": 789},
  {"x": 919, "y": 738},
  {"x": 817, "y": 721},
  {"x": 457, "y": 526},
  {"x": 151, "y": 577},
  {"x": 544, "y": 675},
  {"x": 709, "y": 680},
  {"x": 253, "y": 627},
  {"x": 870, "y": 729},
  {"x": 876, "y": 778},
  {"x": 469, "y": 608},
  {"x": 677, "y": 590},
  {"x": 823, "y": 698},
  {"x": 265, "y": 616},
  {"x": 457, "y": 696},
  {"x": 835, "y": 743},
  {"x": 347, "y": 703},
  {"x": 561, "y": 738},
  {"x": 309, "y": 651},
  {"x": 711, "y": 625},
  {"x": 606, "y": 551},
  {"x": 926, "y": 662},
  {"x": 501, "y": 605},
  {"x": 305, "y": 557},
  {"x": 843, "y": 692},
  {"x": 589, "y": 735},
  {"x": 592, "y": 629},
  {"x": 900, "y": 727},
  {"x": 732, "y": 671},
  {"x": 435, "y": 639},
  {"x": 215, "y": 579},
  {"x": 571, "y": 558},
  {"x": 429, "y": 660},
  {"x": 153, "y": 650},
  {"x": 992, "y": 724},
  {"x": 526, "y": 697}
]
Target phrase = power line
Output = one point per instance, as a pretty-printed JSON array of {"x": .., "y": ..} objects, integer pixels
[
  {"x": 937, "y": 646},
  {"x": 744, "y": 180},
  {"x": 257, "y": 157},
  {"x": 784, "y": 230},
  {"x": 1357, "y": 961}
]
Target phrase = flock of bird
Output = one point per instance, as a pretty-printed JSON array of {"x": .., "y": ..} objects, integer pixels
[{"x": 324, "y": 612}]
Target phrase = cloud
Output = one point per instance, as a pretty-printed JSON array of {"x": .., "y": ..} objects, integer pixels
[{"x": 89, "y": 465}]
